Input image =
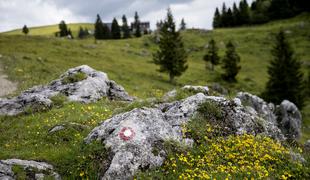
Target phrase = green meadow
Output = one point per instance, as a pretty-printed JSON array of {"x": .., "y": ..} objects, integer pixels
[{"x": 40, "y": 57}]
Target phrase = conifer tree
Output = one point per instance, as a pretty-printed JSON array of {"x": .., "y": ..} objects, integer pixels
[
  {"x": 182, "y": 25},
  {"x": 25, "y": 30},
  {"x": 159, "y": 25},
  {"x": 99, "y": 28},
  {"x": 63, "y": 29},
  {"x": 280, "y": 9},
  {"x": 171, "y": 55},
  {"x": 70, "y": 35},
  {"x": 137, "y": 25},
  {"x": 229, "y": 18},
  {"x": 244, "y": 13},
  {"x": 115, "y": 30},
  {"x": 212, "y": 54},
  {"x": 217, "y": 19},
  {"x": 81, "y": 33},
  {"x": 106, "y": 33},
  {"x": 236, "y": 15},
  {"x": 224, "y": 16},
  {"x": 125, "y": 28},
  {"x": 230, "y": 63},
  {"x": 285, "y": 75},
  {"x": 86, "y": 32}
]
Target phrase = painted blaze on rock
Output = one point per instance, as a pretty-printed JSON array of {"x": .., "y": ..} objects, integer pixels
[{"x": 127, "y": 133}]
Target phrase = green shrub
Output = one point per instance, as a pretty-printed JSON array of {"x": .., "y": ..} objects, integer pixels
[
  {"x": 72, "y": 78},
  {"x": 210, "y": 110}
]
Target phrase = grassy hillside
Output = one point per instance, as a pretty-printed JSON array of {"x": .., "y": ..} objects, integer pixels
[
  {"x": 50, "y": 30},
  {"x": 40, "y": 58}
]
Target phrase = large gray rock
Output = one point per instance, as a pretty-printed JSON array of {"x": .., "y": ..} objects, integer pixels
[
  {"x": 40, "y": 169},
  {"x": 95, "y": 86},
  {"x": 289, "y": 118},
  {"x": 132, "y": 136},
  {"x": 6, "y": 172},
  {"x": 265, "y": 111}
]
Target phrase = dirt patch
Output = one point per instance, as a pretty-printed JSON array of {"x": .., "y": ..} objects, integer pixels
[{"x": 6, "y": 86}]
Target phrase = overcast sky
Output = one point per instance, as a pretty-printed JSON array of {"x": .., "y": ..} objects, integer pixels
[{"x": 15, "y": 13}]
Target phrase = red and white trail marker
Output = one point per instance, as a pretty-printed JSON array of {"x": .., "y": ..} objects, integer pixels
[{"x": 126, "y": 133}]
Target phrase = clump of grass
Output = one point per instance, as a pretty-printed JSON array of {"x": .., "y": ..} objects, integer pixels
[
  {"x": 19, "y": 172},
  {"x": 59, "y": 100},
  {"x": 72, "y": 78},
  {"x": 86, "y": 162},
  {"x": 34, "y": 108},
  {"x": 137, "y": 104}
]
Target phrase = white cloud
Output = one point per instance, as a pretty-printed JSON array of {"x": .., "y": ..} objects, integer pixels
[
  {"x": 198, "y": 13},
  {"x": 14, "y": 14}
]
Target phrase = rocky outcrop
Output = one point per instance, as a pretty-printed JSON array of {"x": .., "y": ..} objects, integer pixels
[
  {"x": 132, "y": 136},
  {"x": 289, "y": 119},
  {"x": 34, "y": 169},
  {"x": 82, "y": 84}
]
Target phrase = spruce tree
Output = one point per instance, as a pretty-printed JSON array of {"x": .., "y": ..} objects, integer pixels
[
  {"x": 285, "y": 75},
  {"x": 280, "y": 9},
  {"x": 212, "y": 54},
  {"x": 182, "y": 25},
  {"x": 137, "y": 25},
  {"x": 115, "y": 30},
  {"x": 244, "y": 13},
  {"x": 230, "y": 63},
  {"x": 224, "y": 16},
  {"x": 70, "y": 35},
  {"x": 63, "y": 29},
  {"x": 171, "y": 55},
  {"x": 86, "y": 32},
  {"x": 236, "y": 15},
  {"x": 229, "y": 18},
  {"x": 25, "y": 30},
  {"x": 106, "y": 32},
  {"x": 99, "y": 28},
  {"x": 81, "y": 33},
  {"x": 125, "y": 28},
  {"x": 217, "y": 19}
]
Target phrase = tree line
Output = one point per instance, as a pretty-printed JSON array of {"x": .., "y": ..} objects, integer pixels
[
  {"x": 102, "y": 31},
  {"x": 260, "y": 11}
]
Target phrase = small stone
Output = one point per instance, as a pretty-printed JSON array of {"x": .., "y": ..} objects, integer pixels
[{"x": 56, "y": 129}]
